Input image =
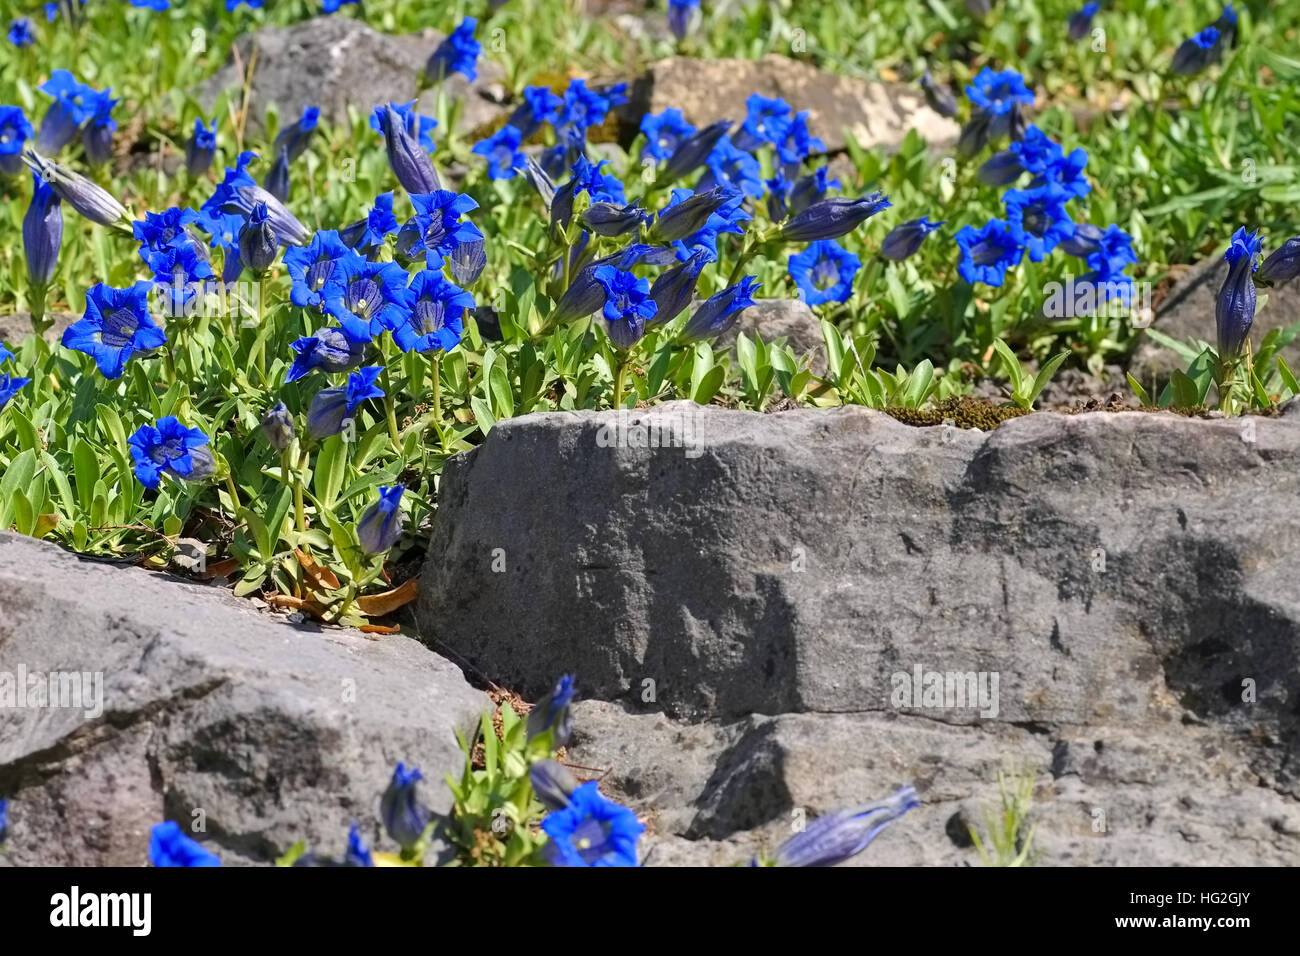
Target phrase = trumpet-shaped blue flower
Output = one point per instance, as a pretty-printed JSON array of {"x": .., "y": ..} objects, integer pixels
[
  {"x": 552, "y": 712},
  {"x": 330, "y": 350},
  {"x": 1196, "y": 53},
  {"x": 467, "y": 261},
  {"x": 939, "y": 98},
  {"x": 1234, "y": 309},
  {"x": 1038, "y": 219},
  {"x": 731, "y": 166},
  {"x": 436, "y": 228},
  {"x": 719, "y": 313},
  {"x": 178, "y": 271},
  {"x": 824, "y": 272},
  {"x": 767, "y": 120},
  {"x": 458, "y": 53},
  {"x": 20, "y": 33},
  {"x": 674, "y": 288},
  {"x": 664, "y": 132},
  {"x": 42, "y": 233},
  {"x": 158, "y": 231},
  {"x": 628, "y": 305},
  {"x": 906, "y": 238},
  {"x": 165, "y": 447},
  {"x": 796, "y": 144},
  {"x": 838, "y": 836},
  {"x": 552, "y": 782},
  {"x": 366, "y": 297},
  {"x": 1282, "y": 264},
  {"x": 311, "y": 267},
  {"x": 418, "y": 126},
  {"x": 834, "y": 217},
  {"x": 169, "y": 846},
  {"x": 15, "y": 131},
  {"x": 369, "y": 234},
  {"x": 501, "y": 150},
  {"x": 116, "y": 326},
  {"x": 405, "y": 816},
  {"x": 381, "y": 525},
  {"x": 358, "y": 854},
  {"x": 694, "y": 151},
  {"x": 539, "y": 106},
  {"x": 407, "y": 157},
  {"x": 1079, "y": 23},
  {"x": 295, "y": 137},
  {"x": 4, "y": 821},
  {"x": 330, "y": 407},
  {"x": 810, "y": 189},
  {"x": 91, "y": 201},
  {"x": 689, "y": 212},
  {"x": 987, "y": 252},
  {"x": 591, "y": 831},
  {"x": 97, "y": 134},
  {"x": 583, "y": 108},
  {"x": 277, "y": 177},
  {"x": 73, "y": 102},
  {"x": 680, "y": 15},
  {"x": 996, "y": 92},
  {"x": 435, "y": 321}
]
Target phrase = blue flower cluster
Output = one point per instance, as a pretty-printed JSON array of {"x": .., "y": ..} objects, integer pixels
[
  {"x": 76, "y": 108},
  {"x": 1197, "y": 52}
]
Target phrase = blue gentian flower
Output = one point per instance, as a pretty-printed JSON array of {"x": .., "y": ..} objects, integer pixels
[
  {"x": 502, "y": 152},
  {"x": 294, "y": 138},
  {"x": 680, "y": 15},
  {"x": 381, "y": 525},
  {"x": 257, "y": 242},
  {"x": 614, "y": 219},
  {"x": 810, "y": 189},
  {"x": 552, "y": 783},
  {"x": 582, "y": 108},
  {"x": 767, "y": 120},
  {"x": 406, "y": 156},
  {"x": 238, "y": 193},
  {"x": 20, "y": 33},
  {"x": 201, "y": 149},
  {"x": 539, "y": 106},
  {"x": 9, "y": 386},
  {"x": 370, "y": 234},
  {"x": 458, "y": 53},
  {"x": 1038, "y": 218},
  {"x": 66, "y": 114},
  {"x": 330, "y": 407},
  {"x": 97, "y": 134},
  {"x": 418, "y": 126},
  {"x": 166, "y": 447},
  {"x": 405, "y": 817},
  {"x": 116, "y": 325},
  {"x": 178, "y": 271},
  {"x": 1085, "y": 241},
  {"x": 996, "y": 92},
  {"x": 277, "y": 427},
  {"x": 169, "y": 846},
  {"x": 834, "y": 217},
  {"x": 1234, "y": 309},
  {"x": 664, "y": 132},
  {"x": 1282, "y": 264},
  {"x": 838, "y": 836},
  {"x": 232, "y": 4},
  {"x": 939, "y": 98},
  {"x": 358, "y": 854},
  {"x": 987, "y": 252},
  {"x": 277, "y": 177},
  {"x": 552, "y": 712},
  {"x": 1080, "y": 22},
  {"x": 1001, "y": 169},
  {"x": 311, "y": 266},
  {"x": 1105, "y": 280},
  {"x": 725, "y": 219},
  {"x": 436, "y": 228},
  {"x": 366, "y": 297},
  {"x": 591, "y": 831},
  {"x": 51, "y": 11},
  {"x": 158, "y": 231},
  {"x": 729, "y": 165},
  {"x": 15, "y": 131},
  {"x": 797, "y": 144},
  {"x": 720, "y": 312},
  {"x": 694, "y": 151},
  {"x": 42, "y": 233},
  {"x": 5, "y": 354},
  {"x": 778, "y": 196},
  {"x": 468, "y": 260},
  {"x": 692, "y": 212},
  {"x": 332, "y": 6},
  {"x": 1227, "y": 27},
  {"x": 152, "y": 4},
  {"x": 628, "y": 305},
  {"x": 434, "y": 321},
  {"x": 330, "y": 350},
  {"x": 88, "y": 199},
  {"x": 906, "y": 238},
  {"x": 1115, "y": 247},
  {"x": 824, "y": 272},
  {"x": 1067, "y": 171},
  {"x": 1196, "y": 53},
  {"x": 587, "y": 178},
  {"x": 674, "y": 289}
]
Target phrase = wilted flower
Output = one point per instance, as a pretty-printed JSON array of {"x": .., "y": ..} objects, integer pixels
[
  {"x": 552, "y": 783},
  {"x": 405, "y": 817},
  {"x": 1234, "y": 310},
  {"x": 552, "y": 713},
  {"x": 1080, "y": 22},
  {"x": 277, "y": 427},
  {"x": 167, "y": 447},
  {"x": 257, "y": 243},
  {"x": 720, "y": 312},
  {"x": 330, "y": 407},
  {"x": 42, "y": 233},
  {"x": 591, "y": 831},
  {"x": 628, "y": 305},
  {"x": 1282, "y": 264},
  {"x": 330, "y": 350},
  {"x": 988, "y": 252},
  {"x": 201, "y": 149},
  {"x": 906, "y": 238},
  {"x": 169, "y": 846},
  {"x": 838, "y": 836},
  {"x": 79, "y": 192},
  {"x": 115, "y": 326},
  {"x": 832, "y": 218},
  {"x": 824, "y": 272}
]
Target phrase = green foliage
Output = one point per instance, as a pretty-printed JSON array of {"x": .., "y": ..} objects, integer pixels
[{"x": 1009, "y": 835}]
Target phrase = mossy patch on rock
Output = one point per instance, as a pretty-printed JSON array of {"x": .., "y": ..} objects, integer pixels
[{"x": 964, "y": 412}]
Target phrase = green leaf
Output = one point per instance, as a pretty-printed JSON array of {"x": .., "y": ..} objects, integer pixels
[
  {"x": 86, "y": 470},
  {"x": 1139, "y": 391},
  {"x": 1045, "y": 375},
  {"x": 331, "y": 467}
]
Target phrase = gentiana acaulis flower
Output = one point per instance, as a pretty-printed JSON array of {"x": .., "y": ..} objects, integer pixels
[
  {"x": 720, "y": 312},
  {"x": 691, "y": 214},
  {"x": 1282, "y": 264},
  {"x": 201, "y": 148},
  {"x": 552, "y": 782},
  {"x": 277, "y": 178},
  {"x": 80, "y": 193},
  {"x": 381, "y": 525},
  {"x": 404, "y": 816},
  {"x": 552, "y": 713},
  {"x": 1079, "y": 23},
  {"x": 693, "y": 152},
  {"x": 169, "y": 846},
  {"x": 1234, "y": 309},
  {"x": 611, "y": 219},
  {"x": 277, "y": 427},
  {"x": 834, "y": 217},
  {"x": 42, "y": 233},
  {"x": 410, "y": 163},
  {"x": 674, "y": 288},
  {"x": 906, "y": 238},
  {"x": 1196, "y": 53},
  {"x": 258, "y": 244},
  {"x": 841, "y": 835}
]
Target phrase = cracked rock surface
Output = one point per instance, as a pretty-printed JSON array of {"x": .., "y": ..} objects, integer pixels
[
  {"x": 267, "y": 733},
  {"x": 745, "y": 597}
]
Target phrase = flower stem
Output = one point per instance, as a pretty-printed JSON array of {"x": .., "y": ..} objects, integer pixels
[
  {"x": 390, "y": 409},
  {"x": 292, "y": 476},
  {"x": 435, "y": 379},
  {"x": 232, "y": 490},
  {"x": 620, "y": 376}
]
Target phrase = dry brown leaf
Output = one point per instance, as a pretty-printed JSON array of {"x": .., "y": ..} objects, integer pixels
[
  {"x": 377, "y": 605},
  {"x": 322, "y": 577}
]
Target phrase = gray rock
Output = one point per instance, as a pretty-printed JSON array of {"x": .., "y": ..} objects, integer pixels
[
  {"x": 878, "y": 115},
  {"x": 270, "y": 733},
  {"x": 772, "y": 582},
  {"x": 18, "y": 326},
  {"x": 1187, "y": 314},
  {"x": 336, "y": 62},
  {"x": 788, "y": 319}
]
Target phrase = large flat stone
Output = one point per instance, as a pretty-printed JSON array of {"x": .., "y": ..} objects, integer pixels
[{"x": 269, "y": 733}]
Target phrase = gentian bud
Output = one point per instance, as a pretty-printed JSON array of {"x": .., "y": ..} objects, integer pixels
[
  {"x": 832, "y": 218},
  {"x": 80, "y": 193},
  {"x": 358, "y": 854},
  {"x": 202, "y": 464},
  {"x": 1080, "y": 22},
  {"x": 409, "y": 162},
  {"x": 939, "y": 98},
  {"x": 720, "y": 312},
  {"x": 691, "y": 214},
  {"x": 552, "y": 713},
  {"x": 42, "y": 233},
  {"x": 1195, "y": 53},
  {"x": 257, "y": 243},
  {"x": 468, "y": 260},
  {"x": 674, "y": 289},
  {"x": 286, "y": 225},
  {"x": 277, "y": 427},
  {"x": 904, "y": 239},
  {"x": 1282, "y": 264},
  {"x": 1085, "y": 241},
  {"x": 405, "y": 817},
  {"x": 974, "y": 135},
  {"x": 201, "y": 149},
  {"x": 810, "y": 189},
  {"x": 4, "y": 821},
  {"x": 1001, "y": 169},
  {"x": 552, "y": 783},
  {"x": 328, "y": 349},
  {"x": 330, "y": 407},
  {"x": 381, "y": 525},
  {"x": 97, "y": 134},
  {"x": 543, "y": 183},
  {"x": 611, "y": 219},
  {"x": 692, "y": 152},
  {"x": 293, "y": 139},
  {"x": 838, "y": 836},
  {"x": 277, "y": 179},
  {"x": 1234, "y": 310}
]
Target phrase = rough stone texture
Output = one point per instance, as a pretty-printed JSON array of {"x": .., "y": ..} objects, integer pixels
[
  {"x": 1187, "y": 314},
  {"x": 789, "y": 319},
  {"x": 18, "y": 326},
  {"x": 1121, "y": 573},
  {"x": 276, "y": 733},
  {"x": 877, "y": 114},
  {"x": 335, "y": 62}
]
